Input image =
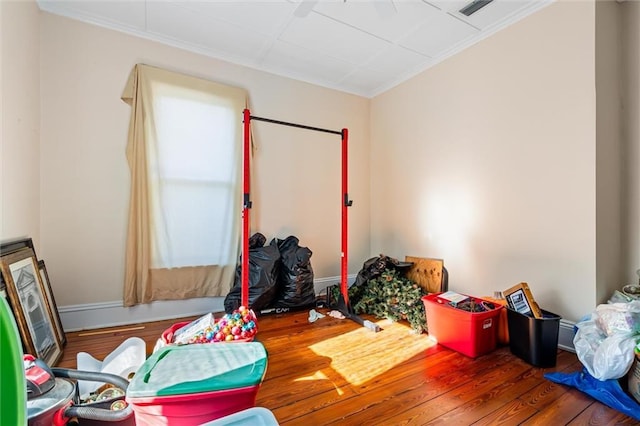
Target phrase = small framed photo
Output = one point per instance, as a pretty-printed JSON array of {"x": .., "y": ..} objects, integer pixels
[
  {"x": 28, "y": 298},
  {"x": 44, "y": 276}
]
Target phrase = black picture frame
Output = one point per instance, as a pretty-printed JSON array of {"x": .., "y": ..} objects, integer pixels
[
  {"x": 44, "y": 275},
  {"x": 11, "y": 246}
]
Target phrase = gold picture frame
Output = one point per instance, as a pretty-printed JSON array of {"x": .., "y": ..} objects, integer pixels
[{"x": 31, "y": 307}]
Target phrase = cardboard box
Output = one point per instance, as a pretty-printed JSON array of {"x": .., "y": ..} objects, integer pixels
[{"x": 520, "y": 299}]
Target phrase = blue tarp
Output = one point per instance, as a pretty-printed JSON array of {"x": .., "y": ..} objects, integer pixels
[{"x": 608, "y": 392}]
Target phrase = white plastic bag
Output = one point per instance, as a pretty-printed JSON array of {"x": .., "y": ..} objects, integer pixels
[
  {"x": 614, "y": 318},
  {"x": 124, "y": 360},
  {"x": 604, "y": 357}
]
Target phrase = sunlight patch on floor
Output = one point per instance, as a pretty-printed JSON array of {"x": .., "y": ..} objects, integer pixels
[
  {"x": 319, "y": 375},
  {"x": 361, "y": 355}
]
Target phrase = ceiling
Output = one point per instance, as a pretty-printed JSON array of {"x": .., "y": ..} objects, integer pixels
[{"x": 364, "y": 47}]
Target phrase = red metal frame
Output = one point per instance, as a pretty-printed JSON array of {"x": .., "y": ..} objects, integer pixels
[
  {"x": 246, "y": 205},
  {"x": 345, "y": 203}
]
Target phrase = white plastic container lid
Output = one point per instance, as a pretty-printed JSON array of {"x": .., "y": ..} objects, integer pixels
[{"x": 256, "y": 416}]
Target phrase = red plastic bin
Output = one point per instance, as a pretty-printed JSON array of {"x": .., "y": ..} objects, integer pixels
[
  {"x": 167, "y": 335},
  {"x": 240, "y": 318},
  {"x": 192, "y": 409},
  {"x": 188, "y": 385},
  {"x": 470, "y": 333}
]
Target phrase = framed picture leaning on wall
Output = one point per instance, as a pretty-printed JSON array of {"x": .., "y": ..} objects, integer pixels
[
  {"x": 30, "y": 302},
  {"x": 44, "y": 276}
]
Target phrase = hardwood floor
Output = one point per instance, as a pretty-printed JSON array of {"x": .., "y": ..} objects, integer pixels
[{"x": 334, "y": 372}]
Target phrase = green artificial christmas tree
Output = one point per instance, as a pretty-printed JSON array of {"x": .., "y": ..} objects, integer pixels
[{"x": 393, "y": 297}]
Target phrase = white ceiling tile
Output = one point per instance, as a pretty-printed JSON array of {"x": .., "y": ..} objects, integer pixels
[
  {"x": 486, "y": 16},
  {"x": 495, "y": 13},
  {"x": 390, "y": 21},
  {"x": 450, "y": 5},
  {"x": 169, "y": 19},
  {"x": 264, "y": 16},
  {"x": 294, "y": 60},
  {"x": 365, "y": 81},
  {"x": 358, "y": 46},
  {"x": 121, "y": 13},
  {"x": 438, "y": 34},
  {"x": 324, "y": 35},
  {"x": 396, "y": 60}
]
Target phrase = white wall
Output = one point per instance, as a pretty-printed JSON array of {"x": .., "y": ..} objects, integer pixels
[
  {"x": 631, "y": 136},
  {"x": 488, "y": 161},
  {"x": 609, "y": 272},
  {"x": 492, "y": 160},
  {"x": 85, "y": 179},
  {"x": 20, "y": 131}
]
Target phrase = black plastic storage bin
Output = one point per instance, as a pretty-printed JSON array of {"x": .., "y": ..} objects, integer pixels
[{"x": 535, "y": 340}]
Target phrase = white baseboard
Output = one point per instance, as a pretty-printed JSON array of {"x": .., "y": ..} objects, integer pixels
[
  {"x": 565, "y": 335},
  {"x": 112, "y": 314}
]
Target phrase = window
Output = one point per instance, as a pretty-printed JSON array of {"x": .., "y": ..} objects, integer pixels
[
  {"x": 195, "y": 178},
  {"x": 185, "y": 155}
]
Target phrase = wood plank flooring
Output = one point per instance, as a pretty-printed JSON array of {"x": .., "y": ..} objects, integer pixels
[{"x": 334, "y": 372}]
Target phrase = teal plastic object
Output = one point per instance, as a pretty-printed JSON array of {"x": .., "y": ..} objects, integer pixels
[
  {"x": 196, "y": 368},
  {"x": 13, "y": 383}
]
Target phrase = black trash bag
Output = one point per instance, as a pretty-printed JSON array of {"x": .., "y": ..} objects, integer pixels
[
  {"x": 257, "y": 240},
  {"x": 264, "y": 266},
  {"x": 295, "y": 283},
  {"x": 375, "y": 266},
  {"x": 372, "y": 269}
]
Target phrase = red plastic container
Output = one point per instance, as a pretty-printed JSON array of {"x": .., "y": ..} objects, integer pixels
[
  {"x": 190, "y": 385},
  {"x": 470, "y": 333},
  {"x": 192, "y": 409},
  {"x": 167, "y": 335}
]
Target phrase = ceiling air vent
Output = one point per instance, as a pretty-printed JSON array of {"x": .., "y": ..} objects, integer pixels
[{"x": 474, "y": 6}]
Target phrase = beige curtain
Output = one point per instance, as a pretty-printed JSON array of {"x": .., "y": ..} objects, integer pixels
[{"x": 145, "y": 281}]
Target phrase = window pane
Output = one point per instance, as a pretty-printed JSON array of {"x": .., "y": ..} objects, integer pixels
[
  {"x": 196, "y": 219},
  {"x": 192, "y": 136},
  {"x": 194, "y": 179}
]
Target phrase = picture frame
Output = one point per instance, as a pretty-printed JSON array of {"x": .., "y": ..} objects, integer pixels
[
  {"x": 31, "y": 308},
  {"x": 44, "y": 276},
  {"x": 10, "y": 246},
  {"x": 14, "y": 245}
]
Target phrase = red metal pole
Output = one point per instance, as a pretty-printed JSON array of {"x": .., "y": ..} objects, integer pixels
[
  {"x": 345, "y": 203},
  {"x": 246, "y": 205}
]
